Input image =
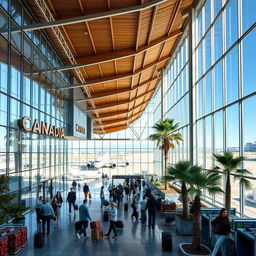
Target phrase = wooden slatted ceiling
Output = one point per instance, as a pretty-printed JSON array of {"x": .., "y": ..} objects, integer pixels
[{"x": 121, "y": 101}]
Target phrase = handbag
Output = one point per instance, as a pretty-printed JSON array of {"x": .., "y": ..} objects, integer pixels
[
  {"x": 90, "y": 196},
  {"x": 76, "y": 207}
]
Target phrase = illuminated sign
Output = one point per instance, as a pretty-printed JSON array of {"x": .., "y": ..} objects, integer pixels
[
  {"x": 42, "y": 128},
  {"x": 80, "y": 129}
]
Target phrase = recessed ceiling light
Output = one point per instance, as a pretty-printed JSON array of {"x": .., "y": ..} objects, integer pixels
[{"x": 85, "y": 33}]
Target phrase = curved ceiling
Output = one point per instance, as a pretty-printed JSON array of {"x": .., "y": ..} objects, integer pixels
[{"x": 116, "y": 50}]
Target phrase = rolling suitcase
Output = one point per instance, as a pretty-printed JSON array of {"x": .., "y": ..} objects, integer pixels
[
  {"x": 97, "y": 234},
  {"x": 126, "y": 206},
  {"x": 105, "y": 216},
  {"x": 78, "y": 225},
  {"x": 95, "y": 224},
  {"x": 167, "y": 241},
  {"x": 119, "y": 224},
  {"x": 38, "y": 240}
]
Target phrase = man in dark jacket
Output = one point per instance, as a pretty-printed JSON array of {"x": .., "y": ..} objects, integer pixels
[
  {"x": 86, "y": 190},
  {"x": 71, "y": 199},
  {"x": 151, "y": 206}
]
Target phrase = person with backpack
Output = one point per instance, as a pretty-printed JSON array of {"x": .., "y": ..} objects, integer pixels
[
  {"x": 47, "y": 214},
  {"x": 113, "y": 220},
  {"x": 222, "y": 229},
  {"x": 85, "y": 217},
  {"x": 71, "y": 199},
  {"x": 151, "y": 206},
  {"x": 86, "y": 190}
]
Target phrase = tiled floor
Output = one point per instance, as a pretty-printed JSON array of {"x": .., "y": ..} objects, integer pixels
[{"x": 135, "y": 239}]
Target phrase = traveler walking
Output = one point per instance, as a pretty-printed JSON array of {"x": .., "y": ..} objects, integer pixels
[
  {"x": 110, "y": 189},
  {"x": 134, "y": 206},
  {"x": 86, "y": 190},
  {"x": 71, "y": 199},
  {"x": 47, "y": 213},
  {"x": 39, "y": 203},
  {"x": 84, "y": 216},
  {"x": 74, "y": 184},
  {"x": 113, "y": 220},
  {"x": 143, "y": 206},
  {"x": 59, "y": 198},
  {"x": 55, "y": 207},
  {"x": 102, "y": 196},
  {"x": 222, "y": 230},
  {"x": 151, "y": 206}
]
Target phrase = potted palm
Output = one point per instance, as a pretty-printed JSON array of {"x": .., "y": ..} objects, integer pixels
[
  {"x": 5, "y": 198},
  {"x": 165, "y": 135},
  {"x": 199, "y": 181},
  {"x": 179, "y": 172},
  {"x": 16, "y": 211},
  {"x": 230, "y": 165}
]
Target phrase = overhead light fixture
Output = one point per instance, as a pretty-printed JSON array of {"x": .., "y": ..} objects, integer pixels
[{"x": 85, "y": 33}]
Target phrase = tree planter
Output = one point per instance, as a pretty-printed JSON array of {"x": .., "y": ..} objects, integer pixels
[
  {"x": 206, "y": 251},
  {"x": 184, "y": 227},
  {"x": 19, "y": 221}
]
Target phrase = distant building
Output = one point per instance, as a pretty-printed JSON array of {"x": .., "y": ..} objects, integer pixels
[{"x": 250, "y": 147}]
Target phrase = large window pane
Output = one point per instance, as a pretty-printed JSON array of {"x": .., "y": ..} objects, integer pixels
[
  {"x": 232, "y": 132},
  {"x": 218, "y": 85},
  {"x": 231, "y": 23},
  {"x": 248, "y": 13},
  {"x": 232, "y": 75},
  {"x": 249, "y": 63},
  {"x": 218, "y": 39}
]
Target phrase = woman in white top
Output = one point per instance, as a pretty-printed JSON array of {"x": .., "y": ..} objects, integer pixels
[{"x": 113, "y": 220}]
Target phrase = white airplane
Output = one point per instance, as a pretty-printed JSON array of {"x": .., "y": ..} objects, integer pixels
[{"x": 104, "y": 161}]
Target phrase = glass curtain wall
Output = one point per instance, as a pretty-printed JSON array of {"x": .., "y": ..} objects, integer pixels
[
  {"x": 32, "y": 161},
  {"x": 129, "y": 150}
]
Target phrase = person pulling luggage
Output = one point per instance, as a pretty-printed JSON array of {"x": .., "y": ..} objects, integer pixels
[
  {"x": 85, "y": 217},
  {"x": 47, "y": 214},
  {"x": 113, "y": 220}
]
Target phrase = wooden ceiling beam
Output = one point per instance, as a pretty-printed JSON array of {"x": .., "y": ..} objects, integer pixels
[
  {"x": 112, "y": 129},
  {"x": 116, "y": 92},
  {"x": 95, "y": 16},
  {"x": 110, "y": 105},
  {"x": 114, "y": 78},
  {"x": 116, "y": 55},
  {"x": 118, "y": 112},
  {"x": 115, "y": 121},
  {"x": 153, "y": 18}
]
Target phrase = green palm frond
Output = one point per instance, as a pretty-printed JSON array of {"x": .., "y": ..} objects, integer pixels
[{"x": 228, "y": 161}]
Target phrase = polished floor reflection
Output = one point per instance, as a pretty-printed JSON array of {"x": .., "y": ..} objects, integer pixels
[{"x": 135, "y": 239}]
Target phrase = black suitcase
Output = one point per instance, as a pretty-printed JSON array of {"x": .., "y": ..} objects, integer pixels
[
  {"x": 119, "y": 224},
  {"x": 167, "y": 241},
  {"x": 38, "y": 240},
  {"x": 76, "y": 207},
  {"x": 126, "y": 206},
  {"x": 105, "y": 216},
  {"x": 78, "y": 225},
  {"x": 106, "y": 203}
]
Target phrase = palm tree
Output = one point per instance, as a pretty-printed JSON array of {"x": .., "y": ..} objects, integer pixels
[
  {"x": 200, "y": 181},
  {"x": 230, "y": 166},
  {"x": 178, "y": 173},
  {"x": 166, "y": 136}
]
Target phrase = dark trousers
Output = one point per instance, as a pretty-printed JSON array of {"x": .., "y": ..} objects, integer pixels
[
  {"x": 38, "y": 214},
  {"x": 118, "y": 202},
  {"x": 112, "y": 227},
  {"x": 85, "y": 226},
  {"x": 48, "y": 220},
  {"x": 151, "y": 219},
  {"x": 71, "y": 203}
]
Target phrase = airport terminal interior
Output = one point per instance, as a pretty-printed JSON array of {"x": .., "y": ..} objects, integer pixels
[{"x": 88, "y": 90}]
